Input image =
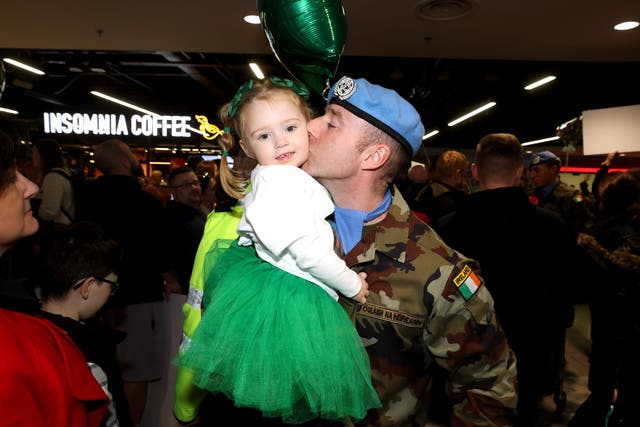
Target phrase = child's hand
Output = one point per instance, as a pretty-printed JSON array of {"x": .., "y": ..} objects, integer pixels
[{"x": 361, "y": 297}]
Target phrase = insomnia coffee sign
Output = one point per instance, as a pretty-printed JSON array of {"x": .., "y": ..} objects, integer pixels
[{"x": 118, "y": 125}]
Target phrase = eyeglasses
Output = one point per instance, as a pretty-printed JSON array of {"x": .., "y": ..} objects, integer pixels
[
  {"x": 194, "y": 184},
  {"x": 114, "y": 285}
]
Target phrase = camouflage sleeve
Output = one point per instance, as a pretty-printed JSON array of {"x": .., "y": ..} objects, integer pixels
[
  {"x": 466, "y": 339},
  {"x": 428, "y": 305}
]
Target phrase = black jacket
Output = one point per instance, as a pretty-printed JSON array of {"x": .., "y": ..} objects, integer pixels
[
  {"x": 185, "y": 226},
  {"x": 136, "y": 220},
  {"x": 526, "y": 256}
]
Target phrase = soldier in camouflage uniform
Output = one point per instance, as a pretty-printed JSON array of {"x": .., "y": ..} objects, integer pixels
[
  {"x": 427, "y": 303},
  {"x": 551, "y": 193}
]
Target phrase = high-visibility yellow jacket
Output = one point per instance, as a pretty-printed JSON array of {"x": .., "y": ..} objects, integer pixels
[{"x": 219, "y": 225}]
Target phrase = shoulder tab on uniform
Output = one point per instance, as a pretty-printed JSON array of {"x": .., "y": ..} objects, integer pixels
[{"x": 467, "y": 283}]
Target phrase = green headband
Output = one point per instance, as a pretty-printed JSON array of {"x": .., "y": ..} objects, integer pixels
[{"x": 295, "y": 86}]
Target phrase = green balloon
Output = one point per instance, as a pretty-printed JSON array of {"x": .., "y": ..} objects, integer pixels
[{"x": 307, "y": 37}]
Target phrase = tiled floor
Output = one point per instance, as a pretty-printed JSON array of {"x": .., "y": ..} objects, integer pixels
[{"x": 577, "y": 369}]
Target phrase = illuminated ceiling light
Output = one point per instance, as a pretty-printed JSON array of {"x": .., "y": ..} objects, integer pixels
[
  {"x": 135, "y": 107},
  {"x": 624, "y": 26},
  {"x": 98, "y": 70},
  {"x": 7, "y": 110},
  {"x": 124, "y": 103},
  {"x": 256, "y": 70},
  {"x": 540, "y": 141},
  {"x": 471, "y": 114},
  {"x": 430, "y": 134},
  {"x": 539, "y": 82},
  {"x": 252, "y": 19},
  {"x": 23, "y": 66}
]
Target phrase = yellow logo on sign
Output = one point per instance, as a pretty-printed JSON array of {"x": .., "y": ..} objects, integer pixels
[{"x": 209, "y": 130}]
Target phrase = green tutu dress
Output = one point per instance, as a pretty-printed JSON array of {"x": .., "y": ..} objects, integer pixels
[{"x": 272, "y": 341}]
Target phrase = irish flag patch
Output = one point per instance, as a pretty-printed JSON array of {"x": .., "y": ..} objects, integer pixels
[{"x": 467, "y": 283}]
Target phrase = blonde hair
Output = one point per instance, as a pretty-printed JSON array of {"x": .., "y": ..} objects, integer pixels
[
  {"x": 235, "y": 180},
  {"x": 449, "y": 162}
]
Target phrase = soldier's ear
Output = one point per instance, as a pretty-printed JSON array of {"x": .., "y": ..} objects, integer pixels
[{"x": 376, "y": 156}]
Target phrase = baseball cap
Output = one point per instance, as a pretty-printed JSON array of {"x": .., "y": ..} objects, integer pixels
[
  {"x": 381, "y": 107},
  {"x": 543, "y": 157}
]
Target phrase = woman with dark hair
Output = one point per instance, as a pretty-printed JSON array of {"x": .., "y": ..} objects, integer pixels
[
  {"x": 56, "y": 202},
  {"x": 45, "y": 378},
  {"x": 613, "y": 243}
]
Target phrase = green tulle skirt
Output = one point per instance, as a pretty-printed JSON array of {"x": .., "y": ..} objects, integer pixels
[{"x": 272, "y": 341}]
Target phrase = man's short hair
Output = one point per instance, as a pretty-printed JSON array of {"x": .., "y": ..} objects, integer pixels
[
  {"x": 108, "y": 156},
  {"x": 498, "y": 151},
  {"x": 178, "y": 171}
]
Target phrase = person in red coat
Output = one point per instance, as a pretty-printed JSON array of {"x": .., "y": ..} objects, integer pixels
[{"x": 44, "y": 378}]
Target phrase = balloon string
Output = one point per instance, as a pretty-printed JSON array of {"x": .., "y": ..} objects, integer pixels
[{"x": 327, "y": 88}]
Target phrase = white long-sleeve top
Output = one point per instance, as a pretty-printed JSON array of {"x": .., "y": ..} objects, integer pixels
[{"x": 284, "y": 217}]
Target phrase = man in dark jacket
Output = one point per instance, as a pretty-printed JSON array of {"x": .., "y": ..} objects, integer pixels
[
  {"x": 135, "y": 220},
  {"x": 499, "y": 227}
]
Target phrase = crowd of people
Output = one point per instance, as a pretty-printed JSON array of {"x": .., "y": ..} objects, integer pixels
[{"x": 329, "y": 277}]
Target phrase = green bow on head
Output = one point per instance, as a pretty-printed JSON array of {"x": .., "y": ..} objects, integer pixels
[{"x": 297, "y": 87}]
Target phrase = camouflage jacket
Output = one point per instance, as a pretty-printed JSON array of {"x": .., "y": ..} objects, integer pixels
[
  {"x": 571, "y": 205},
  {"x": 428, "y": 305}
]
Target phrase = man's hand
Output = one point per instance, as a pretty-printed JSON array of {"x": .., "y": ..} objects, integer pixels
[{"x": 171, "y": 284}]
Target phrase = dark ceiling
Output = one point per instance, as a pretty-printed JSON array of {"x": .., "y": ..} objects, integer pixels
[{"x": 445, "y": 67}]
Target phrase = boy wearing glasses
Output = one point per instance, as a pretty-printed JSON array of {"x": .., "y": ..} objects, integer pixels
[{"x": 77, "y": 275}]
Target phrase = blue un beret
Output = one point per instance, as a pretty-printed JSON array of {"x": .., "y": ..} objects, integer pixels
[
  {"x": 381, "y": 107},
  {"x": 543, "y": 157}
]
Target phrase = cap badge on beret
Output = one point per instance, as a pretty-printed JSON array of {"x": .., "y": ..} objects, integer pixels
[
  {"x": 345, "y": 87},
  {"x": 382, "y": 108},
  {"x": 535, "y": 160}
]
